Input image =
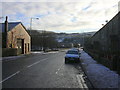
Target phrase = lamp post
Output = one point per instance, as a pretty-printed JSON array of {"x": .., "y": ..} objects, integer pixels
[
  {"x": 31, "y": 23},
  {"x": 31, "y": 26}
]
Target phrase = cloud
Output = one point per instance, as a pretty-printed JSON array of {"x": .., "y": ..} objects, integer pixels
[
  {"x": 62, "y": 16},
  {"x": 42, "y": 0}
]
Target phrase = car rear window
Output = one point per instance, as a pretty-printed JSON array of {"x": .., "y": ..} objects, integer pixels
[{"x": 72, "y": 52}]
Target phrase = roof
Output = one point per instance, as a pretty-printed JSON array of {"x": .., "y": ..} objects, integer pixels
[{"x": 11, "y": 25}]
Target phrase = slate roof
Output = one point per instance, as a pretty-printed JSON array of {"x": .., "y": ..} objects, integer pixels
[{"x": 11, "y": 25}]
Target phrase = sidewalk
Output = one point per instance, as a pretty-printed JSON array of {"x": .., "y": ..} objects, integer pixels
[
  {"x": 99, "y": 75},
  {"x": 10, "y": 58}
]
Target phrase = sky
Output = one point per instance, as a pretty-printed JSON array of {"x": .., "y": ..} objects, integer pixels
[{"x": 70, "y": 16}]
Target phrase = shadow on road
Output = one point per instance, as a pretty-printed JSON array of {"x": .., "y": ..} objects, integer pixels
[{"x": 75, "y": 65}]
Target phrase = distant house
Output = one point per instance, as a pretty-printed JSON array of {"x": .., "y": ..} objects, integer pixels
[{"x": 15, "y": 39}]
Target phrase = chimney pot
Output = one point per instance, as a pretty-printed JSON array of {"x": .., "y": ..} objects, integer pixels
[
  {"x": 6, "y": 30},
  {"x": 6, "y": 18}
]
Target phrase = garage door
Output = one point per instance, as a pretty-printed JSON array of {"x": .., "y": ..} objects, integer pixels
[{"x": 20, "y": 45}]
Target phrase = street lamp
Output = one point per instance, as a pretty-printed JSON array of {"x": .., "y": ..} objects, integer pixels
[{"x": 31, "y": 23}]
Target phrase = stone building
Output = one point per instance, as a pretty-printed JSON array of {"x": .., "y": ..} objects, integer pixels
[{"x": 15, "y": 39}]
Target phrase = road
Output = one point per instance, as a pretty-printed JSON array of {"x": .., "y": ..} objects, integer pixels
[{"x": 38, "y": 70}]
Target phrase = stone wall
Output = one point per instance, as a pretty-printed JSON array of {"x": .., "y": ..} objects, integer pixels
[
  {"x": 9, "y": 52},
  {"x": 106, "y": 43}
]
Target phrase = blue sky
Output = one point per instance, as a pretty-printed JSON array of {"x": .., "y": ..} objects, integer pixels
[{"x": 60, "y": 16}]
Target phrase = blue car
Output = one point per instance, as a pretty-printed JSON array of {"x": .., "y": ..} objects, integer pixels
[{"x": 72, "y": 55}]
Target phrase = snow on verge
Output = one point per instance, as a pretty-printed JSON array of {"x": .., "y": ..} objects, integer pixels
[
  {"x": 99, "y": 75},
  {"x": 10, "y": 58},
  {"x": 36, "y": 52}
]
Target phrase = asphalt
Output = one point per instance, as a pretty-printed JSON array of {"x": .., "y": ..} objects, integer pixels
[{"x": 41, "y": 71}]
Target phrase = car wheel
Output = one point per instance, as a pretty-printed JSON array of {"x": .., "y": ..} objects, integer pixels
[
  {"x": 78, "y": 60},
  {"x": 66, "y": 61}
]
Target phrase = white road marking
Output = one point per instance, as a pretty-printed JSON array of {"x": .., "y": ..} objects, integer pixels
[
  {"x": 36, "y": 62},
  {"x": 10, "y": 76},
  {"x": 81, "y": 82},
  {"x": 59, "y": 69},
  {"x": 19, "y": 71}
]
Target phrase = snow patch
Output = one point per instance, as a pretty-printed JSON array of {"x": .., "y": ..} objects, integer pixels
[
  {"x": 99, "y": 75},
  {"x": 36, "y": 52},
  {"x": 11, "y": 58}
]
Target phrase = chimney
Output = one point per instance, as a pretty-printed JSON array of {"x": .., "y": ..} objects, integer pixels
[
  {"x": 6, "y": 30},
  {"x": 6, "y": 24}
]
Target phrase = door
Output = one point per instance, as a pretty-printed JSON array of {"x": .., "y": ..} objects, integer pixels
[{"x": 19, "y": 45}]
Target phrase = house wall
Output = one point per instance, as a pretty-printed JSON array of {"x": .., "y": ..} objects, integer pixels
[{"x": 19, "y": 32}]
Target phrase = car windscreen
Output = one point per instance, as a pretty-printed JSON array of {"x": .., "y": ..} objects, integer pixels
[{"x": 72, "y": 52}]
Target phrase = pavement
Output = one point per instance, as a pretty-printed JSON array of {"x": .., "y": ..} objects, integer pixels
[
  {"x": 41, "y": 70},
  {"x": 99, "y": 75}
]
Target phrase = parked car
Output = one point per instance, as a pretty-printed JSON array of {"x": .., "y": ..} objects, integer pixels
[
  {"x": 75, "y": 49},
  {"x": 72, "y": 55}
]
